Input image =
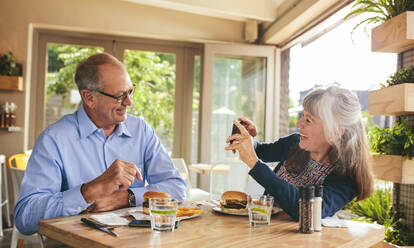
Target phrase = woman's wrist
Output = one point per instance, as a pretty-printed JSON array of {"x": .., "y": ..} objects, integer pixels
[{"x": 252, "y": 163}]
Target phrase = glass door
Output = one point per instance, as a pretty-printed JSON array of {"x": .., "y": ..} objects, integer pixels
[
  {"x": 154, "y": 74},
  {"x": 62, "y": 95},
  {"x": 54, "y": 92},
  {"x": 166, "y": 96},
  {"x": 239, "y": 80}
]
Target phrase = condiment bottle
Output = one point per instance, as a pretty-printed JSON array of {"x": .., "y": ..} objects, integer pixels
[
  {"x": 12, "y": 114},
  {"x": 317, "y": 208},
  {"x": 306, "y": 199},
  {"x": 6, "y": 113}
]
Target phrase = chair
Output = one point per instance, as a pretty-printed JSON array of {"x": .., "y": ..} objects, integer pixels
[
  {"x": 4, "y": 195},
  {"x": 17, "y": 166},
  {"x": 234, "y": 179},
  {"x": 192, "y": 194}
]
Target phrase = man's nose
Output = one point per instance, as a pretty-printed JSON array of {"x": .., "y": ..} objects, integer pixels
[{"x": 127, "y": 101}]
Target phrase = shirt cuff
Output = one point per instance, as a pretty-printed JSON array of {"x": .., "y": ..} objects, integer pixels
[
  {"x": 73, "y": 201},
  {"x": 138, "y": 193}
]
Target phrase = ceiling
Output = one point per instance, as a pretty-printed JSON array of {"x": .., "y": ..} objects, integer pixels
[{"x": 278, "y": 21}]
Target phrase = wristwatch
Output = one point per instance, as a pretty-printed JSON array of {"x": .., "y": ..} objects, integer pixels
[{"x": 131, "y": 198}]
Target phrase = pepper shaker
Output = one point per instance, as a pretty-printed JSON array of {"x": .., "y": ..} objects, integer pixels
[{"x": 306, "y": 199}]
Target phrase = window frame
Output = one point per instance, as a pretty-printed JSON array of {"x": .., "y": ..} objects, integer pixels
[{"x": 272, "y": 104}]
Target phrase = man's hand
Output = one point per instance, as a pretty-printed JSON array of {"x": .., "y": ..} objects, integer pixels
[
  {"x": 116, "y": 200},
  {"x": 119, "y": 176}
]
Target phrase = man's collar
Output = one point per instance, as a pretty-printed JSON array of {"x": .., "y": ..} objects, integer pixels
[
  {"x": 87, "y": 127},
  {"x": 122, "y": 130}
]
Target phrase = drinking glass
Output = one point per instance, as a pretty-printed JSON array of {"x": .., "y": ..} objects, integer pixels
[
  {"x": 163, "y": 214},
  {"x": 260, "y": 209}
]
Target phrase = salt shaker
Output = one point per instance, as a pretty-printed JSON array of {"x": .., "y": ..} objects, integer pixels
[
  {"x": 306, "y": 199},
  {"x": 317, "y": 208}
]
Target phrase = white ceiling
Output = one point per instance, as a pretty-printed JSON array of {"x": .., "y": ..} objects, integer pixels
[{"x": 282, "y": 19}]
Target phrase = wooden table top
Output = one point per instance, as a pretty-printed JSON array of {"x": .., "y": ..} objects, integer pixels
[
  {"x": 212, "y": 229},
  {"x": 205, "y": 168}
]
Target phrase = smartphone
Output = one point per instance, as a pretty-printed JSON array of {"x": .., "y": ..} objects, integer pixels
[
  {"x": 140, "y": 223},
  {"x": 145, "y": 223},
  {"x": 235, "y": 129}
]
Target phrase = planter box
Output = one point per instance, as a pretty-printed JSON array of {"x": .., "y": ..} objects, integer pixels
[
  {"x": 392, "y": 168},
  {"x": 11, "y": 83},
  {"x": 395, "y": 100},
  {"x": 395, "y": 35}
]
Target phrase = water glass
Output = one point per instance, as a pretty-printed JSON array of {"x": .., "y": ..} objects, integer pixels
[
  {"x": 260, "y": 209},
  {"x": 163, "y": 214}
]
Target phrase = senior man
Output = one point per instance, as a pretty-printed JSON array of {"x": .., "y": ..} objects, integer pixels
[{"x": 99, "y": 157}]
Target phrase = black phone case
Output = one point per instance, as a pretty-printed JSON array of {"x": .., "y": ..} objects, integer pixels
[
  {"x": 145, "y": 223},
  {"x": 234, "y": 130},
  {"x": 140, "y": 223}
]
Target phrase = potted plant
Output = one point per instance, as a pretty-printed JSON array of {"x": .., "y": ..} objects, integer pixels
[
  {"x": 396, "y": 33},
  {"x": 395, "y": 98},
  {"x": 393, "y": 152},
  {"x": 10, "y": 73}
]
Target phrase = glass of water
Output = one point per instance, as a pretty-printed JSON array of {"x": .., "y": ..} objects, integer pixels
[
  {"x": 163, "y": 214},
  {"x": 260, "y": 209}
]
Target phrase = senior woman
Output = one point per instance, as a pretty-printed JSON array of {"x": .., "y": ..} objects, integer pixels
[{"x": 330, "y": 149}]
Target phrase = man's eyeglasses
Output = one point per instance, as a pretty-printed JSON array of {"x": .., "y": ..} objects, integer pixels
[{"x": 121, "y": 97}]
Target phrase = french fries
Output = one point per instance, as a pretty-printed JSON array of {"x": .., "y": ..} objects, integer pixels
[{"x": 188, "y": 211}]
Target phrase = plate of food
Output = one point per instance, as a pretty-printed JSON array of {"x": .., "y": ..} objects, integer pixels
[
  {"x": 235, "y": 203},
  {"x": 184, "y": 213}
]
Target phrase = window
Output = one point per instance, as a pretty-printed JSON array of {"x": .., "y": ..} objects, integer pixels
[{"x": 158, "y": 68}]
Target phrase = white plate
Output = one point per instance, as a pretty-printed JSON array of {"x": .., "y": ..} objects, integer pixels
[
  {"x": 275, "y": 210},
  {"x": 138, "y": 214},
  {"x": 188, "y": 217}
]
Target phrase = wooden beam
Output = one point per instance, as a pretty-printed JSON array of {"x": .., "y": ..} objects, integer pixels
[
  {"x": 303, "y": 13},
  {"x": 238, "y": 10}
]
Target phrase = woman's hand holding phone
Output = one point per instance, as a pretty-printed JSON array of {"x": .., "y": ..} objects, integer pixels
[{"x": 243, "y": 141}]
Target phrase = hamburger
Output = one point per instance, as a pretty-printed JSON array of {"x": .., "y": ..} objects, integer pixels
[
  {"x": 152, "y": 194},
  {"x": 234, "y": 202}
]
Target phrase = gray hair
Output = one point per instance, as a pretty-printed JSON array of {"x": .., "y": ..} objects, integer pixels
[
  {"x": 340, "y": 112},
  {"x": 87, "y": 76}
]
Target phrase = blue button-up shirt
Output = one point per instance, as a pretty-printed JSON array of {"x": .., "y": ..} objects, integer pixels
[{"x": 74, "y": 151}]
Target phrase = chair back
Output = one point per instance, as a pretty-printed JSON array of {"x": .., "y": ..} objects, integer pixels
[
  {"x": 19, "y": 161},
  {"x": 17, "y": 166},
  {"x": 179, "y": 163}
]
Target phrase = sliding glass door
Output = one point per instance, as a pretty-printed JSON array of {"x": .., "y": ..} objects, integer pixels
[{"x": 239, "y": 80}]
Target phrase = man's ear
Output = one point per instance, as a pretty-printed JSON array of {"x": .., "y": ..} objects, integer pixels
[{"x": 88, "y": 98}]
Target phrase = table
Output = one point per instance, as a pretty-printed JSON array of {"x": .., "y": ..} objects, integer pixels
[
  {"x": 212, "y": 229},
  {"x": 205, "y": 168}
]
